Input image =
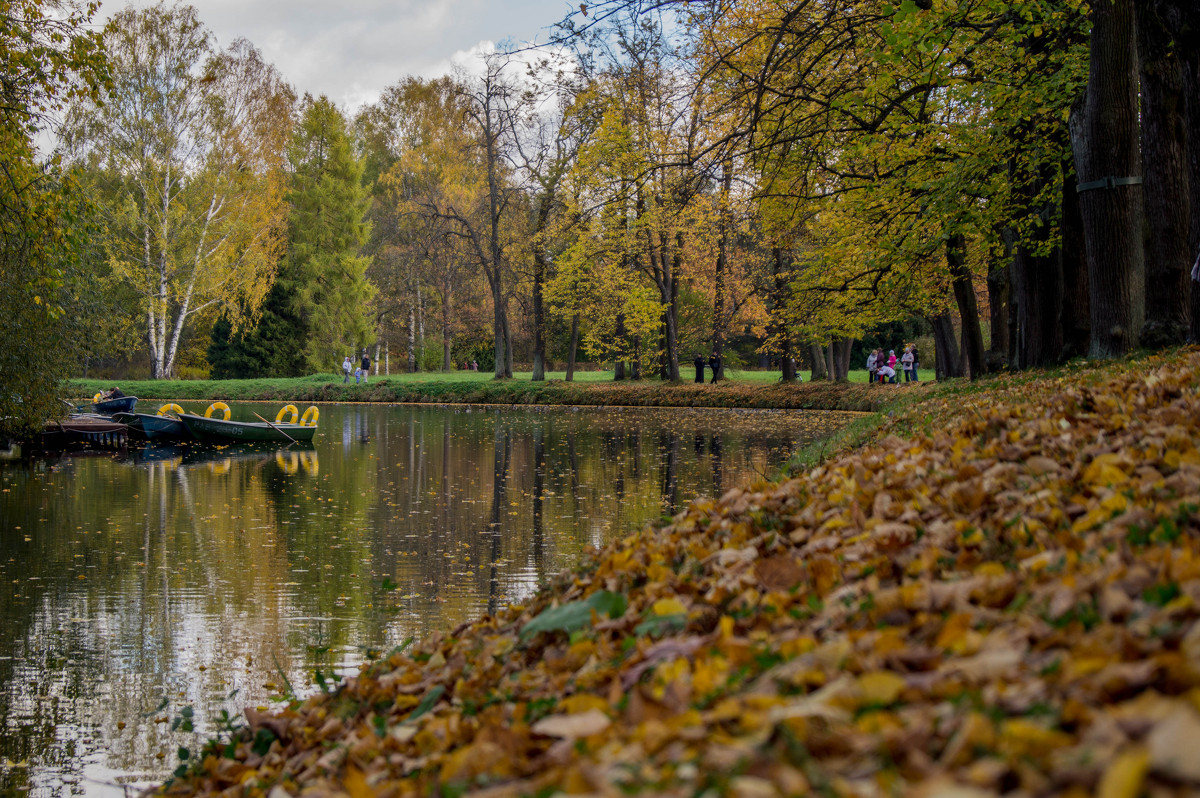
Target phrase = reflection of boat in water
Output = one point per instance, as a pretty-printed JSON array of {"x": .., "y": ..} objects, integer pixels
[
  {"x": 221, "y": 459},
  {"x": 162, "y": 453}
]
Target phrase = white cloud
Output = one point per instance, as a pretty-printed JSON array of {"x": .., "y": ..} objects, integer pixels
[{"x": 351, "y": 50}]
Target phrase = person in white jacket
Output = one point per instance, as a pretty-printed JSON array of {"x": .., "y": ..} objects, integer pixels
[{"x": 906, "y": 361}]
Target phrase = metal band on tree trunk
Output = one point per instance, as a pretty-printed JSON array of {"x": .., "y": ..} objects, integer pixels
[{"x": 1108, "y": 182}]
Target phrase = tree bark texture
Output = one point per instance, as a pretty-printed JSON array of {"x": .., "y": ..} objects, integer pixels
[
  {"x": 1075, "y": 319},
  {"x": 968, "y": 305},
  {"x": 1165, "y": 188},
  {"x": 1037, "y": 278},
  {"x": 1189, "y": 58},
  {"x": 999, "y": 287},
  {"x": 816, "y": 353},
  {"x": 539, "y": 339},
  {"x": 1105, "y": 140},
  {"x": 946, "y": 362},
  {"x": 719, "y": 289},
  {"x": 573, "y": 348}
]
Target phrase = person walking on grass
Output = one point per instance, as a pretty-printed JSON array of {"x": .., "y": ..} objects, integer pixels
[
  {"x": 366, "y": 366},
  {"x": 346, "y": 368},
  {"x": 907, "y": 360},
  {"x": 871, "y": 363},
  {"x": 699, "y": 364},
  {"x": 714, "y": 363}
]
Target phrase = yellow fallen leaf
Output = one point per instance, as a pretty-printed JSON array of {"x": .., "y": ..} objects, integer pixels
[
  {"x": 356, "y": 783},
  {"x": 1125, "y": 775},
  {"x": 669, "y": 606},
  {"x": 880, "y": 687}
]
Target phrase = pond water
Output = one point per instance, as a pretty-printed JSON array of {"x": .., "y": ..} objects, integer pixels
[{"x": 137, "y": 586}]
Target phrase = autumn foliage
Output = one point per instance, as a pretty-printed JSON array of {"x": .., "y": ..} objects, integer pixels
[{"x": 1009, "y": 602}]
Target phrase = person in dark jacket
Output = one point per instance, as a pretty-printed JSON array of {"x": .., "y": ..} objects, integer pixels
[
  {"x": 366, "y": 366},
  {"x": 714, "y": 363},
  {"x": 699, "y": 363}
]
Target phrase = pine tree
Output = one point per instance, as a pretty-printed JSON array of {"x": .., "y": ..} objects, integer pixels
[{"x": 325, "y": 276}]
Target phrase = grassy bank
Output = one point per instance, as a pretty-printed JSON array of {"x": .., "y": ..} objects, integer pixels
[
  {"x": 1006, "y": 601},
  {"x": 746, "y": 389}
]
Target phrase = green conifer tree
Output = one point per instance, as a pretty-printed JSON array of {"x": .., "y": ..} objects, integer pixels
[{"x": 325, "y": 275}]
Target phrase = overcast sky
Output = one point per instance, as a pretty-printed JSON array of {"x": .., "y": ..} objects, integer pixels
[{"x": 350, "y": 50}]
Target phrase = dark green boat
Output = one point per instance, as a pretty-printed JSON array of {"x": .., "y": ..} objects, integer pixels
[{"x": 218, "y": 430}]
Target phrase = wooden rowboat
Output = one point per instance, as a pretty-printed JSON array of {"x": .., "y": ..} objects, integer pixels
[
  {"x": 222, "y": 431},
  {"x": 153, "y": 427},
  {"x": 108, "y": 407}
]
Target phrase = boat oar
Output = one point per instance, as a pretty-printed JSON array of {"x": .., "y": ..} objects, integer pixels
[{"x": 277, "y": 429}]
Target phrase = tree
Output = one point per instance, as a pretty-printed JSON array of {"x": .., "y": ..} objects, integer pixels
[
  {"x": 187, "y": 147},
  {"x": 325, "y": 275},
  {"x": 47, "y": 60},
  {"x": 1105, "y": 138}
]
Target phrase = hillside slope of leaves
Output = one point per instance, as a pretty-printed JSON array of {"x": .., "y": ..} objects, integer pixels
[{"x": 1010, "y": 604}]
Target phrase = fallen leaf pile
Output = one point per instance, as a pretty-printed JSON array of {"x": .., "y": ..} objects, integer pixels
[{"x": 1009, "y": 605}]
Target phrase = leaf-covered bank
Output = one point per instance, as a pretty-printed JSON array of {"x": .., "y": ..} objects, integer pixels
[
  {"x": 822, "y": 395},
  {"x": 1007, "y": 603}
]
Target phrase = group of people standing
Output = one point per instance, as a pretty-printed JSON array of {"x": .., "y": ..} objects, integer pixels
[
  {"x": 714, "y": 363},
  {"x": 882, "y": 367},
  {"x": 360, "y": 373}
]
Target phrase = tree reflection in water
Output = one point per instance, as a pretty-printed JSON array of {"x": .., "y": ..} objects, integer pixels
[{"x": 213, "y": 577}]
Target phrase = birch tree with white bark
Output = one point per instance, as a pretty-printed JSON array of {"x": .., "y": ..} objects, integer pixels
[{"x": 188, "y": 151}]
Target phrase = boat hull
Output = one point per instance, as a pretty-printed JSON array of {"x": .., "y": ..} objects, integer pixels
[
  {"x": 153, "y": 427},
  {"x": 110, "y": 406},
  {"x": 219, "y": 430}
]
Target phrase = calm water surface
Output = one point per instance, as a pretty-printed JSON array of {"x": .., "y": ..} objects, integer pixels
[{"x": 141, "y": 583}]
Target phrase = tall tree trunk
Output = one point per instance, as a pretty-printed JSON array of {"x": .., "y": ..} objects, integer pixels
[
  {"x": 508, "y": 347},
  {"x": 719, "y": 320},
  {"x": 779, "y": 326},
  {"x": 673, "y": 311},
  {"x": 1075, "y": 317},
  {"x": 843, "y": 350},
  {"x": 816, "y": 353},
  {"x": 830, "y": 361},
  {"x": 999, "y": 286},
  {"x": 573, "y": 348},
  {"x": 946, "y": 360},
  {"x": 412, "y": 338},
  {"x": 447, "y": 339},
  {"x": 1037, "y": 278},
  {"x": 1105, "y": 141},
  {"x": 539, "y": 339},
  {"x": 787, "y": 361},
  {"x": 1164, "y": 155},
  {"x": 1189, "y": 58},
  {"x": 621, "y": 344},
  {"x": 497, "y": 329},
  {"x": 968, "y": 307}
]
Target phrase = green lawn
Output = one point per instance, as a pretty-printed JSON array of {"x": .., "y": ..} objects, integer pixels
[{"x": 736, "y": 375}]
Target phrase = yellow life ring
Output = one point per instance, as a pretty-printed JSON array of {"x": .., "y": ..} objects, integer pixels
[
  {"x": 97, "y": 397},
  {"x": 284, "y": 411},
  {"x": 218, "y": 406},
  {"x": 305, "y": 420},
  {"x": 170, "y": 408}
]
